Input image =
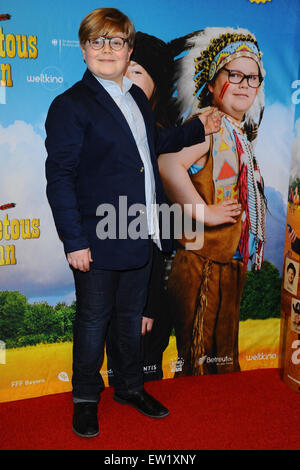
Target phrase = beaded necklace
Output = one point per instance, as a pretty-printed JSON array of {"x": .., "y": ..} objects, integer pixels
[
  {"x": 252, "y": 200},
  {"x": 237, "y": 125}
]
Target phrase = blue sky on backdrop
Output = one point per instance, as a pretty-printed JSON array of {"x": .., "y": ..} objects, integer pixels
[{"x": 41, "y": 272}]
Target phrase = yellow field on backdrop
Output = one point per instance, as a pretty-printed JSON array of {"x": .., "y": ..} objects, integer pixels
[{"x": 47, "y": 368}]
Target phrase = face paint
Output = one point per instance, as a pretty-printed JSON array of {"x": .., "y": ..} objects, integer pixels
[{"x": 224, "y": 88}]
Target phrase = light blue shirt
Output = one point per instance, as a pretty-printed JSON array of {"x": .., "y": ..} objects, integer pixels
[{"x": 135, "y": 120}]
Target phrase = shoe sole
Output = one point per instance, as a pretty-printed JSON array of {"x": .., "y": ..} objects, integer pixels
[
  {"x": 124, "y": 402},
  {"x": 85, "y": 435}
]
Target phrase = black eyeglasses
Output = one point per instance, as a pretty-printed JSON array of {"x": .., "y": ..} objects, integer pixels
[
  {"x": 235, "y": 77},
  {"x": 115, "y": 43}
]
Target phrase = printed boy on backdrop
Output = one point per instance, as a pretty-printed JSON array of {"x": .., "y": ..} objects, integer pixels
[
  {"x": 205, "y": 286},
  {"x": 102, "y": 142}
]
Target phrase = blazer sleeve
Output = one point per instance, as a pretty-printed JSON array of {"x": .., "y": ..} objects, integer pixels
[
  {"x": 64, "y": 137},
  {"x": 174, "y": 139}
]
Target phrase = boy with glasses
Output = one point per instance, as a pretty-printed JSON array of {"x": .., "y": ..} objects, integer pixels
[{"x": 102, "y": 142}]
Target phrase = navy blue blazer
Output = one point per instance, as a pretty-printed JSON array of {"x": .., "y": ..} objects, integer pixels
[{"x": 93, "y": 159}]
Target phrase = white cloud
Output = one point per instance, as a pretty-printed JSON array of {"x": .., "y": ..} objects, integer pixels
[
  {"x": 274, "y": 146},
  {"x": 41, "y": 263}
]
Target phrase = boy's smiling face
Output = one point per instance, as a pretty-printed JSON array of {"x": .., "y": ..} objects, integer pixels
[
  {"x": 107, "y": 63},
  {"x": 234, "y": 99}
]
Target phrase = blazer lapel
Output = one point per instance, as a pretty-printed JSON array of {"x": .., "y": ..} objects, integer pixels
[{"x": 107, "y": 102}]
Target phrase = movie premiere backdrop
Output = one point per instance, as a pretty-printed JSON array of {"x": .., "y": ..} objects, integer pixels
[{"x": 40, "y": 58}]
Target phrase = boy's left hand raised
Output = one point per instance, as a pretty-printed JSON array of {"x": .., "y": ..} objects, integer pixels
[{"x": 211, "y": 120}]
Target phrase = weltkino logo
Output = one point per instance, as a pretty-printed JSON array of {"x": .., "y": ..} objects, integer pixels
[
  {"x": 51, "y": 77},
  {"x": 261, "y": 357}
]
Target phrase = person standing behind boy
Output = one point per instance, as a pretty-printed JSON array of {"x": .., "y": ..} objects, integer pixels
[{"x": 102, "y": 143}]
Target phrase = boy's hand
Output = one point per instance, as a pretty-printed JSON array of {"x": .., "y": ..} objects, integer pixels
[
  {"x": 80, "y": 259},
  {"x": 211, "y": 120},
  {"x": 147, "y": 324},
  {"x": 225, "y": 213}
]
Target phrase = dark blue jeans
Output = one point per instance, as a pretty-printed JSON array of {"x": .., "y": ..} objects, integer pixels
[{"x": 116, "y": 299}]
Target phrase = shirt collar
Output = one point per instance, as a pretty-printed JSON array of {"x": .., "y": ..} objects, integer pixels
[{"x": 113, "y": 88}]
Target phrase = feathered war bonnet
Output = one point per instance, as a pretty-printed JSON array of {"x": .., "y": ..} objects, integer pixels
[{"x": 208, "y": 51}]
